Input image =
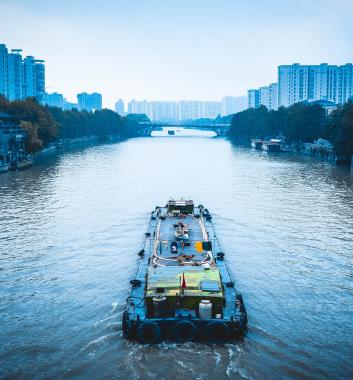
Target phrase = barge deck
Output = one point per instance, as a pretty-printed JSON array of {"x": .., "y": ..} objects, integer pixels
[{"x": 183, "y": 290}]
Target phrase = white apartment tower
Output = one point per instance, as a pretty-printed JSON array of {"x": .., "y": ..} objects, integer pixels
[
  {"x": 232, "y": 105},
  {"x": 211, "y": 109},
  {"x": 89, "y": 102},
  {"x": 253, "y": 98},
  {"x": 273, "y": 96},
  {"x": 264, "y": 96},
  {"x": 120, "y": 107},
  {"x": 297, "y": 83}
]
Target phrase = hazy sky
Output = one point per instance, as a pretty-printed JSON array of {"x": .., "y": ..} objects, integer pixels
[{"x": 174, "y": 49}]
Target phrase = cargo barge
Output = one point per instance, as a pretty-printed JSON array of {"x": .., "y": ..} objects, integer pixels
[{"x": 183, "y": 290}]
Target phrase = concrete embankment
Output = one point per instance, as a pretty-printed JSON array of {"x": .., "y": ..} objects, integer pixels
[{"x": 61, "y": 144}]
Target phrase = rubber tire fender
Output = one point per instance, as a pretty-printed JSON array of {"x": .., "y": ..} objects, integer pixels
[
  {"x": 243, "y": 325},
  {"x": 217, "y": 332},
  {"x": 153, "y": 328},
  {"x": 240, "y": 298},
  {"x": 125, "y": 324},
  {"x": 184, "y": 331}
]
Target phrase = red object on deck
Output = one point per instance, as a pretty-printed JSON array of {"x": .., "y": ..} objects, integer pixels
[{"x": 183, "y": 284}]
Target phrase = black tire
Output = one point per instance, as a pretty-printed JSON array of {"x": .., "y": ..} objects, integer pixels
[
  {"x": 185, "y": 331},
  {"x": 240, "y": 298},
  {"x": 149, "y": 333},
  {"x": 217, "y": 332},
  {"x": 125, "y": 324}
]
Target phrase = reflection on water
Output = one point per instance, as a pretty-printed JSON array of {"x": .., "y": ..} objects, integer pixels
[{"x": 71, "y": 227}]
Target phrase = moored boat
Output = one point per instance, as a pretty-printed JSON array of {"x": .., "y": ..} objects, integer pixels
[
  {"x": 256, "y": 144},
  {"x": 183, "y": 290},
  {"x": 273, "y": 145},
  {"x": 24, "y": 163},
  {"x": 4, "y": 167}
]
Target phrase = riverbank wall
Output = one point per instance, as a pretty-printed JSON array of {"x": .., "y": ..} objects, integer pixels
[
  {"x": 58, "y": 145},
  {"x": 322, "y": 152},
  {"x": 62, "y": 145}
]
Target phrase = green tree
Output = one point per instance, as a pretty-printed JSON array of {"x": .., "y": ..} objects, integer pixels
[
  {"x": 300, "y": 122},
  {"x": 340, "y": 130},
  {"x": 304, "y": 123},
  {"x": 32, "y": 143},
  {"x": 40, "y": 117}
]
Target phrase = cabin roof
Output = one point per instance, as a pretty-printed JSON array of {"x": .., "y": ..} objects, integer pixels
[{"x": 197, "y": 280}]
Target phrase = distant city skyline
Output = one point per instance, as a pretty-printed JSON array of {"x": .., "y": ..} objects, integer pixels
[
  {"x": 21, "y": 78},
  {"x": 177, "y": 49}
]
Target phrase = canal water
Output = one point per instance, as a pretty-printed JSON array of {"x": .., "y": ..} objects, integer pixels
[{"x": 71, "y": 227}]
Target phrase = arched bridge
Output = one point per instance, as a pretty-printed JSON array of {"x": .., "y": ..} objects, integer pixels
[{"x": 219, "y": 129}]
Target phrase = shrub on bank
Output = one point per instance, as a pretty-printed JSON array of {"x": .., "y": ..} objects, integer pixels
[
  {"x": 300, "y": 122},
  {"x": 339, "y": 130},
  {"x": 45, "y": 124}
]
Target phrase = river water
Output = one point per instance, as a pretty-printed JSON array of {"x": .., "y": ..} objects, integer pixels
[{"x": 71, "y": 227}]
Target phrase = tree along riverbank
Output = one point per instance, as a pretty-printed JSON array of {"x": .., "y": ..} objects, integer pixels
[
  {"x": 298, "y": 124},
  {"x": 46, "y": 126}
]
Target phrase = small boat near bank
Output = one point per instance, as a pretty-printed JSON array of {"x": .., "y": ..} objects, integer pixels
[
  {"x": 21, "y": 164},
  {"x": 272, "y": 145},
  {"x": 256, "y": 144},
  {"x": 13, "y": 163},
  {"x": 4, "y": 163},
  {"x": 4, "y": 167},
  {"x": 183, "y": 290}
]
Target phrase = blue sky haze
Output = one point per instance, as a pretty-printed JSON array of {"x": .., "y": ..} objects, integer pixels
[{"x": 174, "y": 49}]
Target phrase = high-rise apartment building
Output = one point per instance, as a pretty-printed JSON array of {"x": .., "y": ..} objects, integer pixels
[
  {"x": 210, "y": 109},
  {"x": 253, "y": 98},
  {"x": 89, "y": 102},
  {"x": 39, "y": 70},
  {"x": 187, "y": 109},
  {"x": 264, "y": 96},
  {"x": 273, "y": 96},
  {"x": 15, "y": 72},
  {"x": 58, "y": 100},
  {"x": 33, "y": 78},
  {"x": 29, "y": 77},
  {"x": 162, "y": 110},
  {"x": 297, "y": 83},
  {"x": 21, "y": 78},
  {"x": 137, "y": 107},
  {"x": 54, "y": 100},
  {"x": 3, "y": 70},
  {"x": 120, "y": 107},
  {"x": 232, "y": 105}
]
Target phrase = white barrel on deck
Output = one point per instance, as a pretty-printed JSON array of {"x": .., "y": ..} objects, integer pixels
[{"x": 205, "y": 309}]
